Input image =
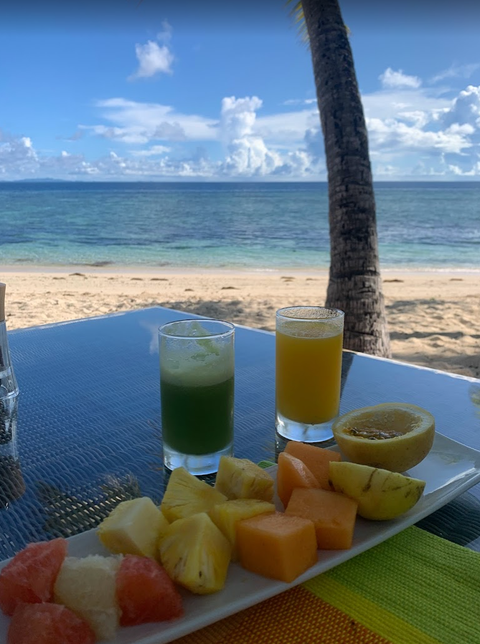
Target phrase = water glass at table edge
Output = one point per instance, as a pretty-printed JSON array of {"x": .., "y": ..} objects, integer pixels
[
  {"x": 12, "y": 483},
  {"x": 197, "y": 361},
  {"x": 309, "y": 341}
]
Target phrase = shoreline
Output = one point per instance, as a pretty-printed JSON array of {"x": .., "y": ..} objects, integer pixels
[
  {"x": 433, "y": 317},
  {"x": 119, "y": 269}
]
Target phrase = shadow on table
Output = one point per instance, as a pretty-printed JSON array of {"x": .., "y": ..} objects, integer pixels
[
  {"x": 68, "y": 514},
  {"x": 459, "y": 521}
]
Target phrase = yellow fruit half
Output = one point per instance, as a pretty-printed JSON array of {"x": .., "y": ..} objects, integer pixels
[
  {"x": 392, "y": 436},
  {"x": 380, "y": 494}
]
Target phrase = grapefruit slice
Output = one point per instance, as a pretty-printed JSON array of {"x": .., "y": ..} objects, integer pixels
[
  {"x": 48, "y": 624},
  {"x": 145, "y": 593},
  {"x": 390, "y": 436},
  {"x": 30, "y": 576}
]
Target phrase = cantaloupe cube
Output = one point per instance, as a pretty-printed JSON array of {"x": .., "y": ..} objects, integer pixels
[
  {"x": 333, "y": 515},
  {"x": 292, "y": 473},
  {"x": 317, "y": 459},
  {"x": 226, "y": 515},
  {"x": 277, "y": 545}
]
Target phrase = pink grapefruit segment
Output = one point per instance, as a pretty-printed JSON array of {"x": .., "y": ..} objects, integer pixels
[
  {"x": 145, "y": 592},
  {"x": 48, "y": 624},
  {"x": 30, "y": 576}
]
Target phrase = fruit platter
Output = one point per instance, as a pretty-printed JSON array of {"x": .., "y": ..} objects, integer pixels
[{"x": 151, "y": 574}]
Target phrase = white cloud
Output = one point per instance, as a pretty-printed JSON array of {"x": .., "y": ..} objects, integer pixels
[
  {"x": 155, "y": 150},
  {"x": 238, "y": 130},
  {"x": 140, "y": 123},
  {"x": 17, "y": 156},
  {"x": 153, "y": 58},
  {"x": 443, "y": 133},
  {"x": 238, "y": 116},
  {"x": 474, "y": 171},
  {"x": 465, "y": 108},
  {"x": 391, "y": 78},
  {"x": 400, "y": 138},
  {"x": 404, "y": 101},
  {"x": 300, "y": 101},
  {"x": 247, "y": 153},
  {"x": 418, "y": 117},
  {"x": 287, "y": 129},
  {"x": 456, "y": 71},
  {"x": 246, "y": 140},
  {"x": 425, "y": 135},
  {"x": 166, "y": 34}
]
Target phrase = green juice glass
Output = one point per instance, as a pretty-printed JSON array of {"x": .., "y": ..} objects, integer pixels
[{"x": 197, "y": 363}]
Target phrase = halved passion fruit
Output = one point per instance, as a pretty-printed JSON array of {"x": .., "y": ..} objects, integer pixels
[{"x": 392, "y": 436}]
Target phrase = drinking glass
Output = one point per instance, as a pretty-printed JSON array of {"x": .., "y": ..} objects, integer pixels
[
  {"x": 309, "y": 342},
  {"x": 197, "y": 393}
]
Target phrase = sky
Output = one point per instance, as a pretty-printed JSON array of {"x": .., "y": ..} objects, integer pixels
[{"x": 171, "y": 90}]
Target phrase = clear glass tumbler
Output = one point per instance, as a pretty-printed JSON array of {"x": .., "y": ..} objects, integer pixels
[
  {"x": 197, "y": 362},
  {"x": 309, "y": 341}
]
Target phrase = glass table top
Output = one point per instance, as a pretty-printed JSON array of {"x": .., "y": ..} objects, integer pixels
[{"x": 89, "y": 431}]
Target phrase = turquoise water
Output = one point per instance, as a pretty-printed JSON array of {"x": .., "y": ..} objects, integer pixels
[{"x": 258, "y": 226}]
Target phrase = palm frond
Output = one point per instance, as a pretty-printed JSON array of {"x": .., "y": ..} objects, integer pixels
[{"x": 296, "y": 11}]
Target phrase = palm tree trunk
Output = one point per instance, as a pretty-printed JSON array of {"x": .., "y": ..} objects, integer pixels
[{"x": 355, "y": 284}]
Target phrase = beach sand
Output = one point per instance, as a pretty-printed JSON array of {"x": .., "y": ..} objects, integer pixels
[{"x": 433, "y": 318}]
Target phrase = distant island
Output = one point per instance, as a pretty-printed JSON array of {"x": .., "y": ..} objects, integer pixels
[{"x": 46, "y": 180}]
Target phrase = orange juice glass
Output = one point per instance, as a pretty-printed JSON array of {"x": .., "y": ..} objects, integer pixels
[{"x": 309, "y": 342}]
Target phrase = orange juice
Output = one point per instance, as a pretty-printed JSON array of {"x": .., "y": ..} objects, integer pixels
[
  {"x": 309, "y": 370},
  {"x": 308, "y": 375}
]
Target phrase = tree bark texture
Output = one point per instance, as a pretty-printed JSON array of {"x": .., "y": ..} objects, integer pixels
[{"x": 355, "y": 284}]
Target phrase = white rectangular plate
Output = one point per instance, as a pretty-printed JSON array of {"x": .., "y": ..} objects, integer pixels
[{"x": 449, "y": 469}]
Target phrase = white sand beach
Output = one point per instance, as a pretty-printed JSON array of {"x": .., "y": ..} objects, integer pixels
[{"x": 433, "y": 317}]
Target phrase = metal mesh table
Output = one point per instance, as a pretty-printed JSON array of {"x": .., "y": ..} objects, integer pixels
[{"x": 89, "y": 430}]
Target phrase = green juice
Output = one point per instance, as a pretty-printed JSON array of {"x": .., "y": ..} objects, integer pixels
[{"x": 197, "y": 419}]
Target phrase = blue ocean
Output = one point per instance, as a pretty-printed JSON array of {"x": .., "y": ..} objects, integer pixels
[{"x": 434, "y": 226}]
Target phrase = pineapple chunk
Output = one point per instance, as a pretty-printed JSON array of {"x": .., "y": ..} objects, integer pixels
[
  {"x": 225, "y": 516},
  {"x": 133, "y": 527},
  {"x": 186, "y": 495},
  {"x": 239, "y": 478},
  {"x": 196, "y": 554}
]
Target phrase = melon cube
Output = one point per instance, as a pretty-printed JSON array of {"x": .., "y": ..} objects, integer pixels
[
  {"x": 333, "y": 516},
  {"x": 292, "y": 473},
  {"x": 226, "y": 515},
  {"x": 134, "y": 527},
  {"x": 277, "y": 545},
  {"x": 317, "y": 459}
]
